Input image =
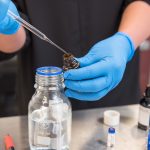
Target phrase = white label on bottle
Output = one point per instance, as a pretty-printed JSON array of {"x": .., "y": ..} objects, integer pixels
[
  {"x": 41, "y": 140},
  {"x": 56, "y": 143},
  {"x": 53, "y": 143},
  {"x": 144, "y": 116}
]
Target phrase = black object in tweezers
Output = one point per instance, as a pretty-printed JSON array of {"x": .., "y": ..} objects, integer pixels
[{"x": 69, "y": 62}]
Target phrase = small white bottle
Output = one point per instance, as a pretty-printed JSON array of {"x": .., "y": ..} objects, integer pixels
[{"x": 111, "y": 137}]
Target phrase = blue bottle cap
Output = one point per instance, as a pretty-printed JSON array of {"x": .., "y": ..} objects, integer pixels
[
  {"x": 111, "y": 130},
  {"x": 49, "y": 71}
]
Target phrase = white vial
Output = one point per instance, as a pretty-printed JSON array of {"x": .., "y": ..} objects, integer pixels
[{"x": 111, "y": 137}]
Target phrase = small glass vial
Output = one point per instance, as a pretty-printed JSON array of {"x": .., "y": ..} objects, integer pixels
[
  {"x": 49, "y": 114},
  {"x": 144, "y": 110},
  {"x": 111, "y": 138}
]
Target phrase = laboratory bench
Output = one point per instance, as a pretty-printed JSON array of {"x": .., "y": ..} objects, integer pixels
[{"x": 88, "y": 130}]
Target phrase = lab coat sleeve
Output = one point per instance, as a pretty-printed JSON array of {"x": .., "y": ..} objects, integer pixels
[{"x": 21, "y": 8}]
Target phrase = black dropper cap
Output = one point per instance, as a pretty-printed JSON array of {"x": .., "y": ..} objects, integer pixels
[
  {"x": 145, "y": 101},
  {"x": 147, "y": 92}
]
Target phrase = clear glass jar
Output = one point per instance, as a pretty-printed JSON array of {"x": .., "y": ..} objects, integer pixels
[{"x": 49, "y": 114}]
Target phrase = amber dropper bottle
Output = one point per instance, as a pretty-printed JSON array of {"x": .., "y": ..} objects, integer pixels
[{"x": 144, "y": 111}]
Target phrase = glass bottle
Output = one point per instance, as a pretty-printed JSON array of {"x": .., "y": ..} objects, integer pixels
[{"x": 49, "y": 114}]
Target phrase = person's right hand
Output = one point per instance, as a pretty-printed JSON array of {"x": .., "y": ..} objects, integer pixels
[{"x": 7, "y": 24}]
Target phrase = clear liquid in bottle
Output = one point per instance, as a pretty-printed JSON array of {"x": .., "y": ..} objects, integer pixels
[{"x": 48, "y": 132}]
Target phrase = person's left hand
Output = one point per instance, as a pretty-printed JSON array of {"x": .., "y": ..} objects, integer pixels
[{"x": 101, "y": 69}]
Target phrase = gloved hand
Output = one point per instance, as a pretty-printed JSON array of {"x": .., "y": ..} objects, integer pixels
[
  {"x": 7, "y": 24},
  {"x": 101, "y": 69}
]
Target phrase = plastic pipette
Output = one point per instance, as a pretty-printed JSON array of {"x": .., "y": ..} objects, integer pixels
[{"x": 34, "y": 30}]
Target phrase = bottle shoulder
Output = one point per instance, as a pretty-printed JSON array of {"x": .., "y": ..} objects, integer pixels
[{"x": 46, "y": 99}]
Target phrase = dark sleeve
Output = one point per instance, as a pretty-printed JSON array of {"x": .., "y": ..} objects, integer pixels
[
  {"x": 127, "y": 2},
  {"x": 4, "y": 56},
  {"x": 22, "y": 10}
]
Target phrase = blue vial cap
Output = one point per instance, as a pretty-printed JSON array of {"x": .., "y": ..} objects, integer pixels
[
  {"x": 111, "y": 130},
  {"x": 49, "y": 71},
  {"x": 148, "y": 142}
]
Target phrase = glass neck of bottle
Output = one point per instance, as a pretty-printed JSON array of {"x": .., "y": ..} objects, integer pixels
[{"x": 53, "y": 83}]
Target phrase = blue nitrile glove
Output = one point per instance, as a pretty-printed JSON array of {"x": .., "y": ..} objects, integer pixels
[
  {"x": 101, "y": 69},
  {"x": 7, "y": 24}
]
